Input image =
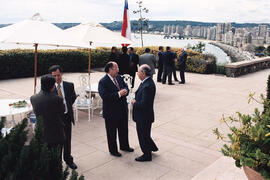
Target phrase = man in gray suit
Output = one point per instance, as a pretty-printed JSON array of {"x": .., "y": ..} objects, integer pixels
[
  {"x": 50, "y": 107},
  {"x": 149, "y": 59}
]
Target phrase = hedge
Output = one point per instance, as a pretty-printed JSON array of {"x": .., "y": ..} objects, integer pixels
[{"x": 19, "y": 63}]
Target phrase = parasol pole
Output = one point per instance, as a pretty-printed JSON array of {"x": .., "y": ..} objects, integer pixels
[
  {"x": 89, "y": 63},
  {"x": 35, "y": 71}
]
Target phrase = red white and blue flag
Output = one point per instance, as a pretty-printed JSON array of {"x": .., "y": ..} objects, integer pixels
[{"x": 126, "y": 30}]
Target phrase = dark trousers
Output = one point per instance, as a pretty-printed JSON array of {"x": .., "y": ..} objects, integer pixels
[
  {"x": 160, "y": 71},
  {"x": 182, "y": 76},
  {"x": 167, "y": 72},
  {"x": 174, "y": 73},
  {"x": 144, "y": 135},
  {"x": 112, "y": 127},
  {"x": 67, "y": 144}
]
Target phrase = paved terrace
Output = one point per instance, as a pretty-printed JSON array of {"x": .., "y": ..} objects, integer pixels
[{"x": 184, "y": 118}]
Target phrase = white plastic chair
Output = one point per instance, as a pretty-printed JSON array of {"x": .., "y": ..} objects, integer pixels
[
  {"x": 128, "y": 80},
  {"x": 83, "y": 103}
]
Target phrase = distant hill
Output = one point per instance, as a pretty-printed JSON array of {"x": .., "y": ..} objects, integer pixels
[{"x": 156, "y": 25}]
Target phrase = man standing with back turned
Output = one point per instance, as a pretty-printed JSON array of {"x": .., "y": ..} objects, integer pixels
[
  {"x": 66, "y": 91},
  {"x": 51, "y": 108},
  {"x": 143, "y": 113},
  {"x": 113, "y": 91}
]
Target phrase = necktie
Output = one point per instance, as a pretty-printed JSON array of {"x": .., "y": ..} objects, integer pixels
[
  {"x": 59, "y": 92},
  {"x": 116, "y": 84}
]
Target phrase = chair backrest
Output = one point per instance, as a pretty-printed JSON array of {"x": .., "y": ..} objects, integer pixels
[
  {"x": 84, "y": 102},
  {"x": 128, "y": 80},
  {"x": 84, "y": 80}
]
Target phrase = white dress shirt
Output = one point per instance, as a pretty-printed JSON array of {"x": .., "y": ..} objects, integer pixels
[{"x": 63, "y": 94}]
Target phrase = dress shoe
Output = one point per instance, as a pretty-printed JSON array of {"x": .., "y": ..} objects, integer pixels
[
  {"x": 163, "y": 83},
  {"x": 143, "y": 158},
  {"x": 127, "y": 149},
  {"x": 159, "y": 81},
  {"x": 72, "y": 165},
  {"x": 116, "y": 154},
  {"x": 171, "y": 83},
  {"x": 155, "y": 149},
  {"x": 181, "y": 82}
]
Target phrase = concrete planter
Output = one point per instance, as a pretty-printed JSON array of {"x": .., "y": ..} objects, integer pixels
[{"x": 251, "y": 174}]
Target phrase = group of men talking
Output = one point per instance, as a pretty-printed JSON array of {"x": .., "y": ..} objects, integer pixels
[
  {"x": 54, "y": 102},
  {"x": 54, "y": 105},
  {"x": 166, "y": 65}
]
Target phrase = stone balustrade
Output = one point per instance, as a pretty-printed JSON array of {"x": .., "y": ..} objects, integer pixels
[{"x": 245, "y": 67}]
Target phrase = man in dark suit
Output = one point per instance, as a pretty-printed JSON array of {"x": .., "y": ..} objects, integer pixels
[
  {"x": 113, "y": 91},
  {"x": 160, "y": 63},
  {"x": 124, "y": 61},
  {"x": 143, "y": 113},
  {"x": 182, "y": 65},
  {"x": 114, "y": 55},
  {"x": 133, "y": 64},
  {"x": 51, "y": 108},
  {"x": 168, "y": 66},
  {"x": 65, "y": 90}
]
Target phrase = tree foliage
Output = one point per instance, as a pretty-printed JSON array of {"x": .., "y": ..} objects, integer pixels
[{"x": 30, "y": 162}]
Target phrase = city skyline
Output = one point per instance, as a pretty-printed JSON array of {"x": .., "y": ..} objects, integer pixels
[{"x": 240, "y": 11}]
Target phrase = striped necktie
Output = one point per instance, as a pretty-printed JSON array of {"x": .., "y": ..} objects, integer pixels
[
  {"x": 59, "y": 91},
  {"x": 116, "y": 84}
]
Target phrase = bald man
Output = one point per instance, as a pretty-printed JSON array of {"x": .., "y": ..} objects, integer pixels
[{"x": 143, "y": 112}]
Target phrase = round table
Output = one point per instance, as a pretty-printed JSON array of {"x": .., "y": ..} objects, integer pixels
[{"x": 6, "y": 110}]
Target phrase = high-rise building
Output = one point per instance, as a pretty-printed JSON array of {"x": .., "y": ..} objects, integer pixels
[
  {"x": 188, "y": 30},
  {"x": 262, "y": 31},
  {"x": 228, "y": 27},
  {"x": 247, "y": 38},
  {"x": 173, "y": 29},
  {"x": 220, "y": 31},
  {"x": 211, "y": 33},
  {"x": 165, "y": 29}
]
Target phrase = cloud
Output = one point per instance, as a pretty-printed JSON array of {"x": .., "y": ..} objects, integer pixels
[{"x": 112, "y": 10}]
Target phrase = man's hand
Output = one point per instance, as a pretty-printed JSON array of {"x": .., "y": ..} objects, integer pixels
[
  {"x": 123, "y": 92},
  {"x": 133, "y": 101}
]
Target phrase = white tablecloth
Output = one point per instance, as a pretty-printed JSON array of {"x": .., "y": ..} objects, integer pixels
[{"x": 6, "y": 110}]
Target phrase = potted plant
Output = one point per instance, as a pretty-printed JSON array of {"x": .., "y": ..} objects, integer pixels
[{"x": 248, "y": 142}]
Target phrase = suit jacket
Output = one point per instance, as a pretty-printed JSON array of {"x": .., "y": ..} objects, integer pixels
[
  {"x": 113, "y": 105},
  {"x": 169, "y": 59},
  {"x": 124, "y": 64},
  {"x": 148, "y": 59},
  {"x": 143, "y": 108},
  {"x": 51, "y": 108},
  {"x": 114, "y": 57},
  {"x": 133, "y": 66},
  {"x": 70, "y": 97},
  {"x": 182, "y": 61},
  {"x": 161, "y": 58}
]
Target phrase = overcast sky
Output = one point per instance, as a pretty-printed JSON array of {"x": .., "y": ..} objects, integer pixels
[{"x": 240, "y": 11}]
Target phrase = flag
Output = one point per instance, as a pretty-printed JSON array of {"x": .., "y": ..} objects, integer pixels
[{"x": 126, "y": 29}]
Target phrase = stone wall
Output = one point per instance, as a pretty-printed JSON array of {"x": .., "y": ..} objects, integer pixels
[{"x": 246, "y": 67}]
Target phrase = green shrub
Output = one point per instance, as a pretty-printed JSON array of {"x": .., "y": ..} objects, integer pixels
[
  {"x": 30, "y": 162},
  {"x": 20, "y": 63},
  {"x": 248, "y": 141}
]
